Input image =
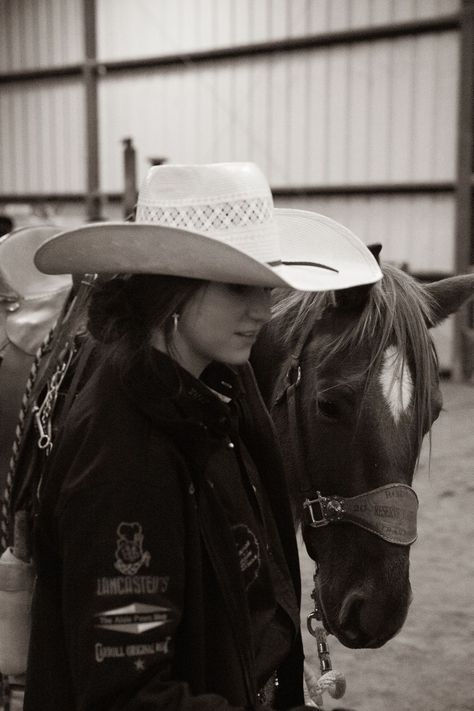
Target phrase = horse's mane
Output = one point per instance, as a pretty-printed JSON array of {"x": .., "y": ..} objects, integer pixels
[{"x": 398, "y": 311}]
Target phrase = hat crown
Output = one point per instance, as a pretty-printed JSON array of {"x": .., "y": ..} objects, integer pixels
[
  {"x": 229, "y": 201},
  {"x": 194, "y": 184}
]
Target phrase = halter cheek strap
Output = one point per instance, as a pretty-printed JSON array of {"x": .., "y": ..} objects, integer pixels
[{"x": 389, "y": 512}]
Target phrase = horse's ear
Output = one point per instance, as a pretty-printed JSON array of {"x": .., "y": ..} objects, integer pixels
[
  {"x": 375, "y": 248},
  {"x": 449, "y": 295},
  {"x": 356, "y": 296}
]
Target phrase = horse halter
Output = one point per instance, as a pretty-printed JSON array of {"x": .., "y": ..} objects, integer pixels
[{"x": 388, "y": 512}]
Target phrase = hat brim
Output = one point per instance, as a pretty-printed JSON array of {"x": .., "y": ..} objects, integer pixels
[{"x": 318, "y": 254}]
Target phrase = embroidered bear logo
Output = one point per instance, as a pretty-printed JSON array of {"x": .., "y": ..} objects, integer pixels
[
  {"x": 129, "y": 553},
  {"x": 248, "y": 550}
]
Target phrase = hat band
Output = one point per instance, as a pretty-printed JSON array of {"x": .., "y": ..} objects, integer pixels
[
  {"x": 207, "y": 217},
  {"x": 280, "y": 263}
]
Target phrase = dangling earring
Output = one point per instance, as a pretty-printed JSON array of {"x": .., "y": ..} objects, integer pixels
[{"x": 175, "y": 318}]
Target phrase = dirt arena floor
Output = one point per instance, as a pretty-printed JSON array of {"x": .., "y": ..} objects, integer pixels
[{"x": 429, "y": 665}]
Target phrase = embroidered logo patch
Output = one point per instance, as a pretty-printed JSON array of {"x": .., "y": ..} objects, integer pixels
[
  {"x": 129, "y": 553},
  {"x": 248, "y": 549},
  {"x": 134, "y": 619},
  {"x": 137, "y": 584},
  {"x": 136, "y": 653}
]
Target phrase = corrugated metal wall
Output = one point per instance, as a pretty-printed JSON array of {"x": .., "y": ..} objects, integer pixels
[
  {"x": 379, "y": 111},
  {"x": 414, "y": 229},
  {"x": 42, "y": 123},
  {"x": 366, "y": 112},
  {"x": 40, "y": 33},
  {"x": 42, "y": 137},
  {"x": 154, "y": 27}
]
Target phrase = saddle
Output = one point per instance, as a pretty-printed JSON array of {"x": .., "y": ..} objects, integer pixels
[{"x": 30, "y": 303}]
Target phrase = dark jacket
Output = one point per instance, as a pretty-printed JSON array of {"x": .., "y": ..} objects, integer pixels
[{"x": 139, "y": 601}]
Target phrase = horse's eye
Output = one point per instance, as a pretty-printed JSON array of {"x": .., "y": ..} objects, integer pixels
[{"x": 328, "y": 408}]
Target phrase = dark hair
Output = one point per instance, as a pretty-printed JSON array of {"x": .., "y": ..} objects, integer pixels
[{"x": 124, "y": 311}]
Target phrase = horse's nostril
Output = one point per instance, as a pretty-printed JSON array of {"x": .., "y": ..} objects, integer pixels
[
  {"x": 349, "y": 616},
  {"x": 350, "y": 634},
  {"x": 364, "y": 622}
]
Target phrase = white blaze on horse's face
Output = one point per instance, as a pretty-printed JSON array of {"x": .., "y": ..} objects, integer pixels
[{"x": 396, "y": 381}]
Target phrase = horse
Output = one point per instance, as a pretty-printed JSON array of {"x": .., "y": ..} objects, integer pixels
[
  {"x": 351, "y": 380},
  {"x": 352, "y": 386}
]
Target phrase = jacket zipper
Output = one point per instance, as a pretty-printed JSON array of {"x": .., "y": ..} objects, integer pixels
[{"x": 221, "y": 574}]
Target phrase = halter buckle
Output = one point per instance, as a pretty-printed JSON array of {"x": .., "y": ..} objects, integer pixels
[{"x": 331, "y": 509}]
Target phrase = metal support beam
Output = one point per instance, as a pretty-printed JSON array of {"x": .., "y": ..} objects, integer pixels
[
  {"x": 464, "y": 256},
  {"x": 359, "y": 189},
  {"x": 38, "y": 199},
  {"x": 89, "y": 72},
  {"x": 292, "y": 44},
  {"x": 25, "y": 75},
  {"x": 341, "y": 190},
  {"x": 129, "y": 178}
]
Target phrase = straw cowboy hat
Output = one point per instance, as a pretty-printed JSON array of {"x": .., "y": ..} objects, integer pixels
[{"x": 216, "y": 222}]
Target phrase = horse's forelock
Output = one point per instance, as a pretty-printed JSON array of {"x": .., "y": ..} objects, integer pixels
[
  {"x": 396, "y": 313},
  {"x": 292, "y": 309},
  {"x": 404, "y": 309}
]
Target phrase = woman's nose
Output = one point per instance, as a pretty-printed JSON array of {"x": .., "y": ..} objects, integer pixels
[{"x": 260, "y": 304}]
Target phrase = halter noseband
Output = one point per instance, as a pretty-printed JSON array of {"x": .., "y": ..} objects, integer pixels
[{"x": 388, "y": 512}]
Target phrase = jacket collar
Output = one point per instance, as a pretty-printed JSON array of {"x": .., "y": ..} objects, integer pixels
[{"x": 176, "y": 400}]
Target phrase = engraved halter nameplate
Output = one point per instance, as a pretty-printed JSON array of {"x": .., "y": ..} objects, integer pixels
[{"x": 388, "y": 512}]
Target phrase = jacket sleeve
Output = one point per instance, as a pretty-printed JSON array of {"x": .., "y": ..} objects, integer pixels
[{"x": 122, "y": 547}]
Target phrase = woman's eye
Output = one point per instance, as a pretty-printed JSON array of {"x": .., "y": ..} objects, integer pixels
[
  {"x": 238, "y": 288},
  {"x": 244, "y": 289},
  {"x": 328, "y": 408}
]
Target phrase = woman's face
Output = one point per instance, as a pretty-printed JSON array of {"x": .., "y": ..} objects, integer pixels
[{"x": 220, "y": 323}]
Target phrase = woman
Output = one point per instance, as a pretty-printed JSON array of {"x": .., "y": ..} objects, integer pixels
[{"x": 165, "y": 552}]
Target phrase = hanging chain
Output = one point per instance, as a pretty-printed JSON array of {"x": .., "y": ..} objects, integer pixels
[
  {"x": 331, "y": 681},
  {"x": 43, "y": 413}
]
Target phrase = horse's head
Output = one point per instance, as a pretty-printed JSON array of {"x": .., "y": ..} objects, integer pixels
[{"x": 353, "y": 388}]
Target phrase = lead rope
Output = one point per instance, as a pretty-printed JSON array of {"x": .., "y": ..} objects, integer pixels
[
  {"x": 334, "y": 682},
  {"x": 61, "y": 354},
  {"x": 24, "y": 410}
]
